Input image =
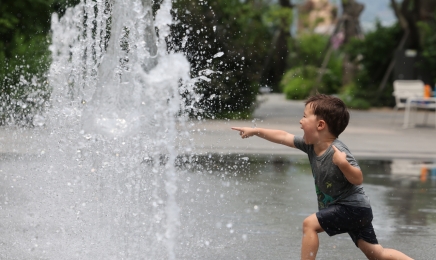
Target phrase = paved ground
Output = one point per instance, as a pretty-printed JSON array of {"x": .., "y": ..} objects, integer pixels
[
  {"x": 225, "y": 215},
  {"x": 377, "y": 133},
  {"x": 373, "y": 134}
]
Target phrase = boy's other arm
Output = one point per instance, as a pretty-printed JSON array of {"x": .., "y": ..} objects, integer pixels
[
  {"x": 353, "y": 174},
  {"x": 272, "y": 135}
]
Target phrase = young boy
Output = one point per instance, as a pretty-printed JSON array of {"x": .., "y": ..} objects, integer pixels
[{"x": 342, "y": 203}]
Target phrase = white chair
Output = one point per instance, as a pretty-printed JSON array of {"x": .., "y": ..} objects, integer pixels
[{"x": 410, "y": 94}]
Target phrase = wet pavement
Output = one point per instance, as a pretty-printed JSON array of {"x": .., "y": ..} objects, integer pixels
[
  {"x": 246, "y": 199},
  {"x": 400, "y": 179},
  {"x": 256, "y": 211},
  {"x": 231, "y": 207}
]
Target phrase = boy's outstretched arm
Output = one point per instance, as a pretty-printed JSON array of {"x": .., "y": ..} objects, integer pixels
[
  {"x": 353, "y": 174},
  {"x": 272, "y": 135}
]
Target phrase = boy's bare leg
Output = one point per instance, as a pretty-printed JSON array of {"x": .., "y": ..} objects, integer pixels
[
  {"x": 310, "y": 241},
  {"x": 377, "y": 252}
]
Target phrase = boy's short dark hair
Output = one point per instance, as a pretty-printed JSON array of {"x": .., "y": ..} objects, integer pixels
[{"x": 332, "y": 110}]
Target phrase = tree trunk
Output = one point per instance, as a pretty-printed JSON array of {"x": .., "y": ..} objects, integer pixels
[
  {"x": 428, "y": 8},
  {"x": 409, "y": 14},
  {"x": 351, "y": 12},
  {"x": 401, "y": 20},
  {"x": 410, "y": 11},
  {"x": 276, "y": 61}
]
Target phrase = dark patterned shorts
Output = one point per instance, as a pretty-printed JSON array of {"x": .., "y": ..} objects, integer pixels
[{"x": 356, "y": 221}]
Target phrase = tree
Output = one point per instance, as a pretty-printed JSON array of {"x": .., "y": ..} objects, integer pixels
[
  {"x": 412, "y": 16},
  {"x": 409, "y": 14},
  {"x": 276, "y": 59},
  {"x": 24, "y": 56},
  {"x": 350, "y": 17},
  {"x": 229, "y": 39}
]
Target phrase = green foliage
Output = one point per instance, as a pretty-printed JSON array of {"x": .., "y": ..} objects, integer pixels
[
  {"x": 298, "y": 88},
  {"x": 242, "y": 31},
  {"x": 23, "y": 84},
  {"x": 376, "y": 50},
  {"x": 277, "y": 16},
  {"x": 278, "y": 19},
  {"x": 332, "y": 79},
  {"x": 309, "y": 51},
  {"x": 428, "y": 52},
  {"x": 24, "y": 57},
  {"x": 348, "y": 95},
  {"x": 373, "y": 55},
  {"x": 237, "y": 30},
  {"x": 299, "y": 82}
]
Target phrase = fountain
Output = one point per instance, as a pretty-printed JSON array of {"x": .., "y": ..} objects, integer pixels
[
  {"x": 102, "y": 183},
  {"x": 106, "y": 174}
]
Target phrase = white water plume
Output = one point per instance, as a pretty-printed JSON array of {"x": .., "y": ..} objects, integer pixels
[{"x": 115, "y": 127}]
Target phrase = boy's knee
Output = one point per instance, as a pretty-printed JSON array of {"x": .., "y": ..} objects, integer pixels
[{"x": 311, "y": 223}]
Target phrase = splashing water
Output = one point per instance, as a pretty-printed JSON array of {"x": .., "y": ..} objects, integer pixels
[
  {"x": 124, "y": 83},
  {"x": 108, "y": 183}
]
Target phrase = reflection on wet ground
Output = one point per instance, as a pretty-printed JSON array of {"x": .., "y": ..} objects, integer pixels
[
  {"x": 231, "y": 207},
  {"x": 253, "y": 208}
]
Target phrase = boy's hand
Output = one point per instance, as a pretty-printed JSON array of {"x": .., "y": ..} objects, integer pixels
[
  {"x": 245, "y": 132},
  {"x": 353, "y": 174},
  {"x": 339, "y": 157}
]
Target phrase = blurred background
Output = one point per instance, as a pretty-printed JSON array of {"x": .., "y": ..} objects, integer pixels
[
  {"x": 69, "y": 192},
  {"x": 351, "y": 48}
]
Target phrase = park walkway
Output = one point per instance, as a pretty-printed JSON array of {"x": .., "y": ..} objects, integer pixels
[{"x": 372, "y": 134}]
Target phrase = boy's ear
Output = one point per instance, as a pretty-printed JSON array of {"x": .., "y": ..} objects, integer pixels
[{"x": 321, "y": 125}]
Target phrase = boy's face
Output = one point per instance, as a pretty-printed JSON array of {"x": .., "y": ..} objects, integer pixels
[{"x": 309, "y": 124}]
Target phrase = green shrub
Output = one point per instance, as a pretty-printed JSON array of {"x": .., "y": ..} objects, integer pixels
[
  {"x": 298, "y": 83},
  {"x": 331, "y": 82},
  {"x": 232, "y": 27},
  {"x": 349, "y": 95},
  {"x": 428, "y": 53},
  {"x": 308, "y": 49},
  {"x": 373, "y": 54},
  {"x": 23, "y": 85},
  {"x": 24, "y": 57},
  {"x": 298, "y": 88}
]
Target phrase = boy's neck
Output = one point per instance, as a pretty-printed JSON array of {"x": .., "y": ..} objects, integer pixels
[{"x": 323, "y": 144}]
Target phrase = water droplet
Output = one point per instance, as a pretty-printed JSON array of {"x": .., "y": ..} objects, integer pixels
[{"x": 219, "y": 54}]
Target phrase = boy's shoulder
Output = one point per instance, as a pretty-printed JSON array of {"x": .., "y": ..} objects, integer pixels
[
  {"x": 339, "y": 144},
  {"x": 344, "y": 148}
]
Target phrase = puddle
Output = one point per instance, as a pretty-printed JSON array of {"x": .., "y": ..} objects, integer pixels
[
  {"x": 237, "y": 207},
  {"x": 403, "y": 198}
]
